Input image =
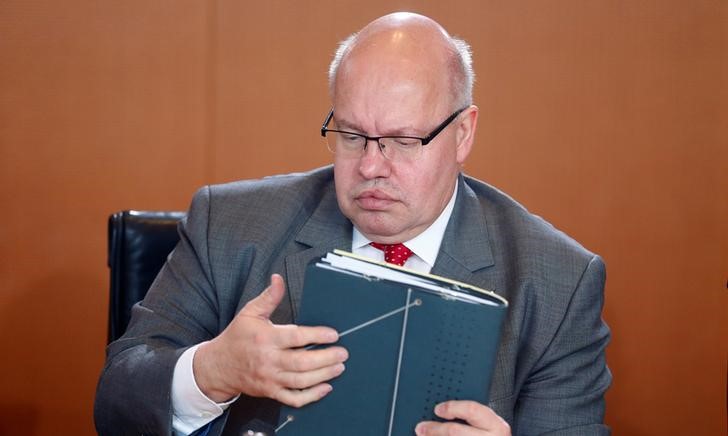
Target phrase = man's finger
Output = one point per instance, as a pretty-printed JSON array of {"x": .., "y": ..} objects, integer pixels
[
  {"x": 299, "y": 398},
  {"x": 431, "y": 428},
  {"x": 301, "y": 360},
  {"x": 293, "y": 336},
  {"x": 264, "y": 304},
  {"x": 304, "y": 380},
  {"x": 474, "y": 413}
]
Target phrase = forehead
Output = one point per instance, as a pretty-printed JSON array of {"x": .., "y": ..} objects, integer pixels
[{"x": 378, "y": 90}]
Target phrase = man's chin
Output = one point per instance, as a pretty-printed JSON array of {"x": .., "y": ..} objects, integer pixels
[{"x": 376, "y": 230}]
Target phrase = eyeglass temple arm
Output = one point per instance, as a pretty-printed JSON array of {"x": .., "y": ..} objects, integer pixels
[
  {"x": 327, "y": 121},
  {"x": 441, "y": 127}
]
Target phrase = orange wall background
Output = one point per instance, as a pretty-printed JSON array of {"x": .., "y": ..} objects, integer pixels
[{"x": 608, "y": 118}]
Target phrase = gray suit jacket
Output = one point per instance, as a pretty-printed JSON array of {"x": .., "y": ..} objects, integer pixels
[{"x": 551, "y": 373}]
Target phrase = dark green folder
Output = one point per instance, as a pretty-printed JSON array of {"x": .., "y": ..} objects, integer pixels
[{"x": 397, "y": 371}]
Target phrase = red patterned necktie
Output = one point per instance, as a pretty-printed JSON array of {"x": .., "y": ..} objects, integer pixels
[{"x": 394, "y": 253}]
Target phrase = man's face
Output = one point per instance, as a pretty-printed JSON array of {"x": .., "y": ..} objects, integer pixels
[{"x": 393, "y": 201}]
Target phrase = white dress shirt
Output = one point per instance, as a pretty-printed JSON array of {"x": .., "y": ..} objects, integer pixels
[{"x": 193, "y": 409}]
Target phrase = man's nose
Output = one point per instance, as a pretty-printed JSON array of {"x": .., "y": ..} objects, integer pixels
[{"x": 373, "y": 163}]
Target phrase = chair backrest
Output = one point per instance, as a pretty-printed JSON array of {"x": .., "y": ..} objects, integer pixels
[{"x": 139, "y": 243}]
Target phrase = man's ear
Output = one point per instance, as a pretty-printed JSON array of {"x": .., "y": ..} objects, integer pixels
[{"x": 465, "y": 134}]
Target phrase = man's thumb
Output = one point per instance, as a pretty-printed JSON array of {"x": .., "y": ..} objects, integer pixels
[{"x": 264, "y": 304}]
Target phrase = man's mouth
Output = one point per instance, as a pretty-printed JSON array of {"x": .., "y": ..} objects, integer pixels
[{"x": 374, "y": 199}]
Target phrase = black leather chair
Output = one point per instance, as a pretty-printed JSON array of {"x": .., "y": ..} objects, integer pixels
[{"x": 139, "y": 243}]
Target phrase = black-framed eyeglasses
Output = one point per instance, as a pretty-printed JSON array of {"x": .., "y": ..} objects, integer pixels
[{"x": 395, "y": 147}]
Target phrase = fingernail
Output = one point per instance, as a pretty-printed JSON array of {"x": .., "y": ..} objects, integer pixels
[
  {"x": 420, "y": 429},
  {"x": 438, "y": 409},
  {"x": 332, "y": 336},
  {"x": 342, "y": 355},
  {"x": 340, "y": 368},
  {"x": 326, "y": 389}
]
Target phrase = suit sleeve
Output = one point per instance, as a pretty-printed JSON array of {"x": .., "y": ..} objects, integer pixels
[
  {"x": 134, "y": 391},
  {"x": 564, "y": 395}
]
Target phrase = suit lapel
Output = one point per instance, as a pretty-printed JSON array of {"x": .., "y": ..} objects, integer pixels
[
  {"x": 465, "y": 247},
  {"x": 325, "y": 230}
]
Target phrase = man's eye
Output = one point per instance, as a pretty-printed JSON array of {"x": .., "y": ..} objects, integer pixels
[
  {"x": 406, "y": 142},
  {"x": 350, "y": 137}
]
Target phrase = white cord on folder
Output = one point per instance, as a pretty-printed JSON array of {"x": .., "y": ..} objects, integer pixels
[
  {"x": 417, "y": 302},
  {"x": 405, "y": 308},
  {"x": 399, "y": 361},
  {"x": 289, "y": 418}
]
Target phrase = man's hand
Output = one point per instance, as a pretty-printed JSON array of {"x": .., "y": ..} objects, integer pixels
[
  {"x": 258, "y": 358},
  {"x": 481, "y": 420}
]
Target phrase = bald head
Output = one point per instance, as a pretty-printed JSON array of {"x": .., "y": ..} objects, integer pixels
[{"x": 412, "y": 47}]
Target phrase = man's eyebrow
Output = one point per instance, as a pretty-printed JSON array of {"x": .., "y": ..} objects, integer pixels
[
  {"x": 400, "y": 131},
  {"x": 346, "y": 125}
]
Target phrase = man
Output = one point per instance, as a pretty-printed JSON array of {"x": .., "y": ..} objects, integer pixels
[{"x": 212, "y": 348}]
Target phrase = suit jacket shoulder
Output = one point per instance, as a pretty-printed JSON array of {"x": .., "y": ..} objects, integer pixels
[
  {"x": 551, "y": 373},
  {"x": 264, "y": 208},
  {"x": 234, "y": 236},
  {"x": 246, "y": 230}
]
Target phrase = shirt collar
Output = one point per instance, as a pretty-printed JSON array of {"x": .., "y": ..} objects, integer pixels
[{"x": 426, "y": 245}]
